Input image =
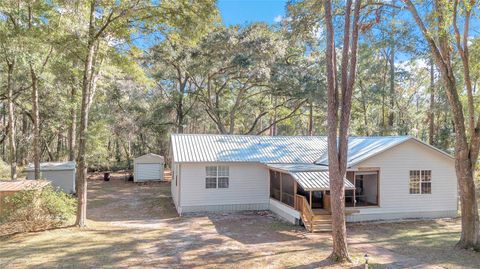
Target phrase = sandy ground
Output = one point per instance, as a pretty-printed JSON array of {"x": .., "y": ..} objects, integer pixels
[{"x": 136, "y": 225}]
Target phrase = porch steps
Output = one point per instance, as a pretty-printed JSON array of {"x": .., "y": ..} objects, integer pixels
[{"x": 319, "y": 223}]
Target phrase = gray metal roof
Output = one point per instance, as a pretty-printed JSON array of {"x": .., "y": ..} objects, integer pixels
[
  {"x": 297, "y": 167},
  {"x": 247, "y": 148},
  {"x": 316, "y": 181},
  {"x": 362, "y": 148},
  {"x": 312, "y": 177},
  {"x": 276, "y": 149},
  {"x": 50, "y": 166}
]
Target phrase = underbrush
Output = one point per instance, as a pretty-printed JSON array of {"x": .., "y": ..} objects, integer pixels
[{"x": 35, "y": 210}]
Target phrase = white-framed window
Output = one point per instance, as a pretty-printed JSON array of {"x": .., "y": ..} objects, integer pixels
[
  {"x": 217, "y": 177},
  {"x": 420, "y": 181}
]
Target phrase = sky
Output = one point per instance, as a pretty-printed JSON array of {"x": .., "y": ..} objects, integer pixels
[{"x": 247, "y": 11}]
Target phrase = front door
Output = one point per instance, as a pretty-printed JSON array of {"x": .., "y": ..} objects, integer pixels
[{"x": 317, "y": 199}]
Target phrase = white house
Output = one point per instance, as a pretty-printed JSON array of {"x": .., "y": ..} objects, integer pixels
[{"x": 388, "y": 177}]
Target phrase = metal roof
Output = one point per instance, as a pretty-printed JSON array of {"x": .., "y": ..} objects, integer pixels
[
  {"x": 316, "y": 181},
  {"x": 150, "y": 155},
  {"x": 276, "y": 149},
  {"x": 297, "y": 167},
  {"x": 50, "y": 166},
  {"x": 312, "y": 177},
  {"x": 19, "y": 185},
  {"x": 362, "y": 148},
  {"x": 247, "y": 148}
]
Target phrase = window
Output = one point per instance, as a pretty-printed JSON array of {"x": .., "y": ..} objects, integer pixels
[
  {"x": 420, "y": 181},
  {"x": 217, "y": 177}
]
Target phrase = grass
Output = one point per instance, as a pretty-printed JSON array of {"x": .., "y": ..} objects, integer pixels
[{"x": 135, "y": 225}]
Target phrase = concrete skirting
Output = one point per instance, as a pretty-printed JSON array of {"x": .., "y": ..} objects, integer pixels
[
  {"x": 225, "y": 208},
  {"x": 285, "y": 212},
  {"x": 358, "y": 217}
]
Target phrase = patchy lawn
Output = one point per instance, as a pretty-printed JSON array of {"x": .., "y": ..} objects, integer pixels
[{"x": 136, "y": 225}]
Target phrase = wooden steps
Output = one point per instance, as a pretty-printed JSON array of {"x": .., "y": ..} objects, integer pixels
[
  {"x": 319, "y": 223},
  {"x": 314, "y": 221}
]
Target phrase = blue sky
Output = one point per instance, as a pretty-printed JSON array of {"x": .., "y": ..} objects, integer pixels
[{"x": 247, "y": 11}]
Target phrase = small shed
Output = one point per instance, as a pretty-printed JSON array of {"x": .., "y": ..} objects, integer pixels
[
  {"x": 61, "y": 174},
  {"x": 148, "y": 167},
  {"x": 8, "y": 187}
]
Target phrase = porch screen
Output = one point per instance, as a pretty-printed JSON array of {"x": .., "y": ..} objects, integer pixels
[
  {"x": 288, "y": 195},
  {"x": 275, "y": 185}
]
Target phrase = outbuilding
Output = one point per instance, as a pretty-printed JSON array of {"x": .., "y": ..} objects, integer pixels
[
  {"x": 61, "y": 174},
  {"x": 148, "y": 167}
]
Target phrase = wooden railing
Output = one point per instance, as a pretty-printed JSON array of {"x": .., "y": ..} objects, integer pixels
[{"x": 306, "y": 212}]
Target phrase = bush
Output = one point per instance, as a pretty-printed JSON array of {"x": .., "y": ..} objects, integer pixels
[
  {"x": 33, "y": 210},
  {"x": 4, "y": 170}
]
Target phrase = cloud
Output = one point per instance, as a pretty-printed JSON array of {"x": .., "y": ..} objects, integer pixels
[{"x": 278, "y": 18}]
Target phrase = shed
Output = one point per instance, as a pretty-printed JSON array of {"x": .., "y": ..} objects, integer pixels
[
  {"x": 8, "y": 187},
  {"x": 61, "y": 174},
  {"x": 148, "y": 167}
]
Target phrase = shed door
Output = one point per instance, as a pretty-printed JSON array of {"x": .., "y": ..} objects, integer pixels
[{"x": 149, "y": 171}]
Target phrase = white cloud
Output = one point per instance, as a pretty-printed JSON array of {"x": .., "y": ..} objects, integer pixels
[{"x": 278, "y": 18}]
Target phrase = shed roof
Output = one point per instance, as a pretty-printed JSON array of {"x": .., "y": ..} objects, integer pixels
[
  {"x": 53, "y": 166},
  {"x": 150, "y": 155},
  {"x": 20, "y": 185},
  {"x": 276, "y": 149}
]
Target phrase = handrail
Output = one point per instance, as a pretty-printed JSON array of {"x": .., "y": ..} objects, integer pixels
[{"x": 303, "y": 206}]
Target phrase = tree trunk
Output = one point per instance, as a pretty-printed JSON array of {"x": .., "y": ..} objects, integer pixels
[
  {"x": 81, "y": 179},
  {"x": 72, "y": 130},
  {"x": 11, "y": 123},
  {"x": 466, "y": 152},
  {"x": 310, "y": 119},
  {"x": 391, "y": 115},
  {"x": 431, "y": 112},
  {"x": 338, "y": 124},
  {"x": 337, "y": 149},
  {"x": 36, "y": 123}
]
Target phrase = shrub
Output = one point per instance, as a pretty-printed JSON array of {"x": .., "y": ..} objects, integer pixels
[
  {"x": 4, "y": 170},
  {"x": 33, "y": 210}
]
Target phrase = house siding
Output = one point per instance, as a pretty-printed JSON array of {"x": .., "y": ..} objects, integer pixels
[
  {"x": 395, "y": 200},
  {"x": 248, "y": 188}
]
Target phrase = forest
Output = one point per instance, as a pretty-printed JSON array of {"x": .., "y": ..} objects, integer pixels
[{"x": 152, "y": 74}]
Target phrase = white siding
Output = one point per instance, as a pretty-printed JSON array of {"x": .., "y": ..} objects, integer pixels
[
  {"x": 148, "y": 167},
  {"x": 63, "y": 179},
  {"x": 395, "y": 199},
  {"x": 248, "y": 188}
]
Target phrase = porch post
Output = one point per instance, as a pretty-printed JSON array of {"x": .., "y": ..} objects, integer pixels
[
  {"x": 294, "y": 194},
  {"x": 311, "y": 200},
  {"x": 354, "y": 190}
]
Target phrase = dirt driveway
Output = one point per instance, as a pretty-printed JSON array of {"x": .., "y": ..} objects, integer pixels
[{"x": 135, "y": 225}]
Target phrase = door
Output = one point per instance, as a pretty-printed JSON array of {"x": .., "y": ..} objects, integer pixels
[{"x": 148, "y": 171}]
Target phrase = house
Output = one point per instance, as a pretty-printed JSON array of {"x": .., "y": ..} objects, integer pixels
[{"x": 392, "y": 177}]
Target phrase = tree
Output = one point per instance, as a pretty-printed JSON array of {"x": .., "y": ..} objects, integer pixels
[
  {"x": 442, "y": 35},
  {"x": 338, "y": 124},
  {"x": 114, "y": 19}
]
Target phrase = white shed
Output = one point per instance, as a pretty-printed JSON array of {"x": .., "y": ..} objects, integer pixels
[
  {"x": 61, "y": 174},
  {"x": 148, "y": 167}
]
